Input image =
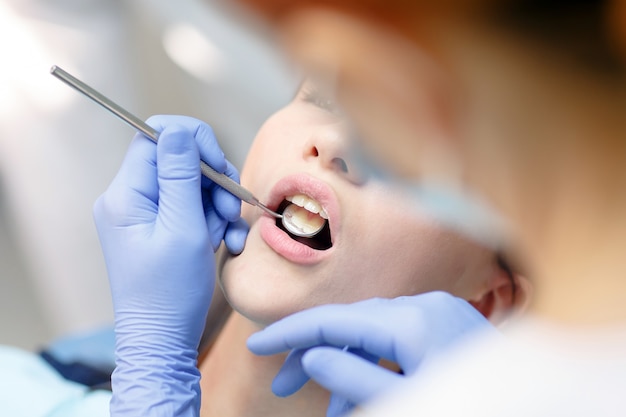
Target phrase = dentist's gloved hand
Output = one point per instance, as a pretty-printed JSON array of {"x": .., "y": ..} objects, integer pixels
[
  {"x": 339, "y": 345},
  {"x": 159, "y": 224}
]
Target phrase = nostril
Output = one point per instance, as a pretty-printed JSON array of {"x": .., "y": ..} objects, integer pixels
[{"x": 340, "y": 164}]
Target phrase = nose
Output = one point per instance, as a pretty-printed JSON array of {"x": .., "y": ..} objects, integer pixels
[{"x": 330, "y": 147}]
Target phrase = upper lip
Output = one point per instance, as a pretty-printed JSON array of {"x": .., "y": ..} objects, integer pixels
[{"x": 312, "y": 187}]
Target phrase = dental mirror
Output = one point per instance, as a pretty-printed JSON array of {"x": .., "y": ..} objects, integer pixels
[{"x": 301, "y": 222}]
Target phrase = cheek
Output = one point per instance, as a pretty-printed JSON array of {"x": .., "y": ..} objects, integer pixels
[
  {"x": 257, "y": 158},
  {"x": 402, "y": 254}
]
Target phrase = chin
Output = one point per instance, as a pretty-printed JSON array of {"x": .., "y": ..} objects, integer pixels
[
  {"x": 261, "y": 315},
  {"x": 262, "y": 309},
  {"x": 261, "y": 297}
]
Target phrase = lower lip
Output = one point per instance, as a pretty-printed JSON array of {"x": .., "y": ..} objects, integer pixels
[{"x": 286, "y": 247}]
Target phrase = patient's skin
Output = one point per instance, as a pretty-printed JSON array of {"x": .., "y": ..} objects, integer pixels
[{"x": 304, "y": 148}]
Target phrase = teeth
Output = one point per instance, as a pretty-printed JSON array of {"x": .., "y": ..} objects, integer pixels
[
  {"x": 312, "y": 206},
  {"x": 308, "y": 204},
  {"x": 299, "y": 200}
]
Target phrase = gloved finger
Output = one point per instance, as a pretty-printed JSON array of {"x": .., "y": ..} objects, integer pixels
[
  {"x": 291, "y": 376},
  {"x": 287, "y": 333},
  {"x": 209, "y": 149},
  {"x": 364, "y": 354},
  {"x": 235, "y": 236},
  {"x": 227, "y": 205},
  {"x": 333, "y": 324},
  {"x": 180, "y": 198},
  {"x": 401, "y": 330},
  {"x": 217, "y": 227},
  {"x": 217, "y": 224},
  {"x": 347, "y": 375},
  {"x": 137, "y": 174},
  {"x": 338, "y": 406}
]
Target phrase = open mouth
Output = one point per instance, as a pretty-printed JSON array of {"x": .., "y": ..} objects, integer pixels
[{"x": 314, "y": 214}]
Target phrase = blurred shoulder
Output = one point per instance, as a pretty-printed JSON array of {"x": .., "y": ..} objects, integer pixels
[{"x": 29, "y": 387}]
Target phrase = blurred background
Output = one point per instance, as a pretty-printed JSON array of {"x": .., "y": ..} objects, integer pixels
[{"x": 59, "y": 151}]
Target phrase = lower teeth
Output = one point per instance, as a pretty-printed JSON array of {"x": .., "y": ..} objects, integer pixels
[{"x": 301, "y": 222}]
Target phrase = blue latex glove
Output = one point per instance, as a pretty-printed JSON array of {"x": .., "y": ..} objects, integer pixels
[
  {"x": 339, "y": 345},
  {"x": 159, "y": 223}
]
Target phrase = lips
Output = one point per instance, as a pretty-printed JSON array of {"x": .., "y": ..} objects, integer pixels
[{"x": 278, "y": 239}]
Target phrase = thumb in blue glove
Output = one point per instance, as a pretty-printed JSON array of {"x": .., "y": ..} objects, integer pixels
[
  {"x": 158, "y": 226},
  {"x": 405, "y": 330}
]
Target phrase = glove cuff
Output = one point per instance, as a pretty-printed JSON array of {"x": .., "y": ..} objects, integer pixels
[{"x": 156, "y": 384}]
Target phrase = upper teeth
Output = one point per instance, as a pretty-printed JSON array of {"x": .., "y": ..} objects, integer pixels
[{"x": 307, "y": 203}]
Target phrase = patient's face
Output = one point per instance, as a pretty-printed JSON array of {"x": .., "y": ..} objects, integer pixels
[{"x": 375, "y": 244}]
